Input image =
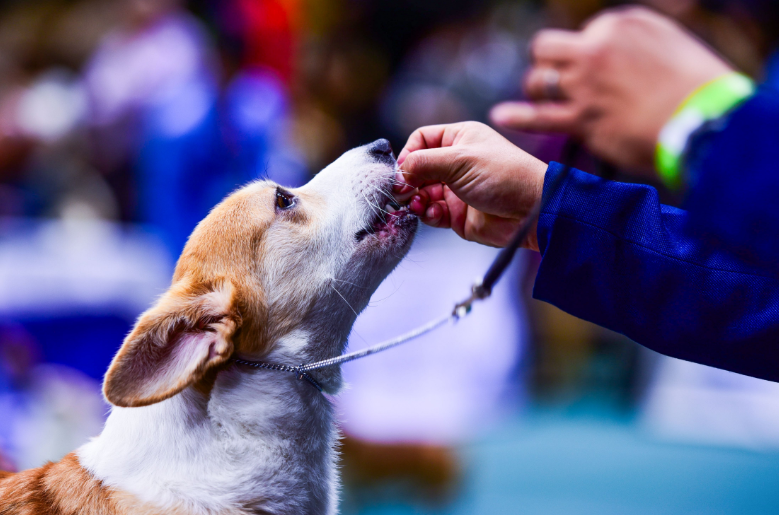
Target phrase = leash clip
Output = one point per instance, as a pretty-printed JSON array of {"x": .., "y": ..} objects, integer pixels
[{"x": 478, "y": 292}]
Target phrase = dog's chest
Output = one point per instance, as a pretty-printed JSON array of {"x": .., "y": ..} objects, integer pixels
[
  {"x": 255, "y": 447},
  {"x": 288, "y": 442}
]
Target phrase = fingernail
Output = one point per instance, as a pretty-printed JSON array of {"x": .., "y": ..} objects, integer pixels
[
  {"x": 416, "y": 205},
  {"x": 400, "y": 185},
  {"x": 432, "y": 213}
]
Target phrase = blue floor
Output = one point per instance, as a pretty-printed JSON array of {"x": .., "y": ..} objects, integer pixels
[{"x": 555, "y": 463}]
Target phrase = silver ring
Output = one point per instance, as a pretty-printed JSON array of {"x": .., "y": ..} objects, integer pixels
[{"x": 551, "y": 82}]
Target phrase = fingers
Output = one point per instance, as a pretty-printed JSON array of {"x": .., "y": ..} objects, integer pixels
[
  {"x": 401, "y": 189},
  {"x": 429, "y": 156},
  {"x": 431, "y": 206},
  {"x": 554, "y": 47},
  {"x": 545, "y": 83},
  {"x": 435, "y": 136},
  {"x": 438, "y": 206},
  {"x": 437, "y": 215},
  {"x": 542, "y": 117},
  {"x": 432, "y": 165},
  {"x": 423, "y": 138}
]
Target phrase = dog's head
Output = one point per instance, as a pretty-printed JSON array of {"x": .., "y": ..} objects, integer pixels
[{"x": 269, "y": 270}]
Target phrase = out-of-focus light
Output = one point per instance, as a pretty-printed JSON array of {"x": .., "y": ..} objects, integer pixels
[
  {"x": 257, "y": 100},
  {"x": 693, "y": 403},
  {"x": 425, "y": 104},
  {"x": 79, "y": 265},
  {"x": 154, "y": 67},
  {"x": 52, "y": 107},
  {"x": 492, "y": 66},
  {"x": 185, "y": 110}
]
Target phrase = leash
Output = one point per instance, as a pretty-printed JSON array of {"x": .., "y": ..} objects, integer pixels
[{"x": 481, "y": 290}]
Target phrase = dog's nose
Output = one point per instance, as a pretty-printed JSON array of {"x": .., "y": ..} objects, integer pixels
[{"x": 381, "y": 150}]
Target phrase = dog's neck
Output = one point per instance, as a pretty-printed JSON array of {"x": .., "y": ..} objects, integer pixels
[{"x": 259, "y": 441}]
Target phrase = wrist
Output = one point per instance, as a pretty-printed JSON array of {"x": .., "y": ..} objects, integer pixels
[
  {"x": 539, "y": 173},
  {"x": 709, "y": 102},
  {"x": 531, "y": 242}
]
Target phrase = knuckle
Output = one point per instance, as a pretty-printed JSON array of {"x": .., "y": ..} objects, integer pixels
[
  {"x": 412, "y": 162},
  {"x": 637, "y": 12},
  {"x": 629, "y": 17},
  {"x": 530, "y": 75},
  {"x": 533, "y": 83},
  {"x": 535, "y": 43},
  {"x": 595, "y": 53},
  {"x": 609, "y": 18},
  {"x": 626, "y": 21},
  {"x": 579, "y": 115},
  {"x": 461, "y": 162},
  {"x": 459, "y": 154},
  {"x": 613, "y": 24}
]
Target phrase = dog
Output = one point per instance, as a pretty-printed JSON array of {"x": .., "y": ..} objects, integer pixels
[{"x": 270, "y": 274}]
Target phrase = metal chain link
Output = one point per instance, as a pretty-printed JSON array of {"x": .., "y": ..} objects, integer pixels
[{"x": 302, "y": 374}]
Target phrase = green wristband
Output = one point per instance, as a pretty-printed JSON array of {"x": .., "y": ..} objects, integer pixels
[{"x": 708, "y": 102}]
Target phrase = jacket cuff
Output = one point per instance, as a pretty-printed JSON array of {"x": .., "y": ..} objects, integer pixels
[{"x": 553, "y": 202}]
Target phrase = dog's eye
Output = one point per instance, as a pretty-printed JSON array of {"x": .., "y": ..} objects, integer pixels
[{"x": 284, "y": 200}]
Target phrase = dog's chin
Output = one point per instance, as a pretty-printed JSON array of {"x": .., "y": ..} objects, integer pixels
[{"x": 389, "y": 233}]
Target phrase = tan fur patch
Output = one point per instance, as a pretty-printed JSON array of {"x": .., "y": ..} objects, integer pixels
[{"x": 63, "y": 488}]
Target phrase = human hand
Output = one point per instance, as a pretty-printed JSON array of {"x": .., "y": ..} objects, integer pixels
[
  {"x": 614, "y": 84},
  {"x": 467, "y": 177}
]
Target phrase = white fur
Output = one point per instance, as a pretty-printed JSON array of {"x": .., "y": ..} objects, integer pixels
[
  {"x": 263, "y": 441},
  {"x": 259, "y": 443}
]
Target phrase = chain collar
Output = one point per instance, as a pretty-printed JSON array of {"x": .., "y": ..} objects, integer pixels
[{"x": 299, "y": 372}]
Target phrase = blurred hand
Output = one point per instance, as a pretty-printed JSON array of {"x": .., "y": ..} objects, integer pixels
[
  {"x": 467, "y": 177},
  {"x": 612, "y": 85}
]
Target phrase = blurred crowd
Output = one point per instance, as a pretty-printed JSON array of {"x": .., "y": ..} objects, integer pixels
[{"x": 122, "y": 122}]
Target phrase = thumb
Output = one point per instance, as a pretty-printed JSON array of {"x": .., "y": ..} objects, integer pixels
[
  {"x": 543, "y": 117},
  {"x": 431, "y": 166}
]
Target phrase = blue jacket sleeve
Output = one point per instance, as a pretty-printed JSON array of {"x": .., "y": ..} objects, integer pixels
[
  {"x": 733, "y": 165},
  {"x": 613, "y": 255}
]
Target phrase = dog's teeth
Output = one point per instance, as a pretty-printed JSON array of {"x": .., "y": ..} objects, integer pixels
[{"x": 390, "y": 208}]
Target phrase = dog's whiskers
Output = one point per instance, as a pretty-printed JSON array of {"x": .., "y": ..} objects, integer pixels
[
  {"x": 343, "y": 298},
  {"x": 395, "y": 181},
  {"x": 347, "y": 282},
  {"x": 373, "y": 208},
  {"x": 372, "y": 204},
  {"x": 388, "y": 195}
]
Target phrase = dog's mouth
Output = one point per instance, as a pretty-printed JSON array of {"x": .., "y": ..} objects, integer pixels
[{"x": 389, "y": 221}]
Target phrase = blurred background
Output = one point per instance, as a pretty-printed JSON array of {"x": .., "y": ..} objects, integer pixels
[{"x": 123, "y": 121}]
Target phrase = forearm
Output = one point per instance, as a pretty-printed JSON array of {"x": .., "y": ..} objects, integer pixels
[{"x": 613, "y": 255}]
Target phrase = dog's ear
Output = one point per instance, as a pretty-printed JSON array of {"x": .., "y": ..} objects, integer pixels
[{"x": 173, "y": 344}]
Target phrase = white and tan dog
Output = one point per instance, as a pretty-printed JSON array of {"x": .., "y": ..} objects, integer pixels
[{"x": 272, "y": 275}]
